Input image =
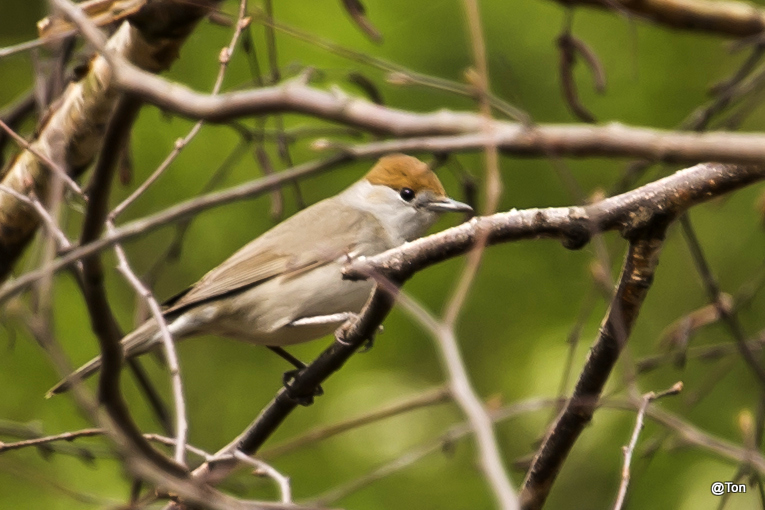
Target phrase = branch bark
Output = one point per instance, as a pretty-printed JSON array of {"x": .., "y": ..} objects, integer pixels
[
  {"x": 442, "y": 131},
  {"x": 629, "y": 213},
  {"x": 725, "y": 18},
  {"x": 637, "y": 275}
]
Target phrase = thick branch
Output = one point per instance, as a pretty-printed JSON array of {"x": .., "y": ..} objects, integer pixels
[
  {"x": 582, "y": 141},
  {"x": 295, "y": 96},
  {"x": 637, "y": 275},
  {"x": 629, "y": 213},
  {"x": 725, "y": 18}
]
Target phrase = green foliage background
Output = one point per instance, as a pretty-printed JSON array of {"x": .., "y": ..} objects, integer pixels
[{"x": 514, "y": 326}]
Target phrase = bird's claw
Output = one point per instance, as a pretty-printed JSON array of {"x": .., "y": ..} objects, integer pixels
[
  {"x": 303, "y": 400},
  {"x": 370, "y": 342},
  {"x": 367, "y": 345}
]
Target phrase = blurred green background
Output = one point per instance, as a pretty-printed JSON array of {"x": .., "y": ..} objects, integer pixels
[{"x": 515, "y": 323}]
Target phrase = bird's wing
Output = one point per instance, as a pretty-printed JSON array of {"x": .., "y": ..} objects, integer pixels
[{"x": 272, "y": 255}]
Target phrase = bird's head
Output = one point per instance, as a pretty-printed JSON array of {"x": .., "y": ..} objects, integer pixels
[{"x": 405, "y": 195}]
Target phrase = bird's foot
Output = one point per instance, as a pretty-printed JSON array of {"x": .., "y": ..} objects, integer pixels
[{"x": 302, "y": 399}]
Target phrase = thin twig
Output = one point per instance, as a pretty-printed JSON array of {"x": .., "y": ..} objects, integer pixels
[
  {"x": 181, "y": 423},
  {"x": 13, "y": 115},
  {"x": 262, "y": 467},
  {"x": 630, "y": 448},
  {"x": 66, "y": 436},
  {"x": 488, "y": 447},
  {"x": 181, "y": 143},
  {"x": 704, "y": 353},
  {"x": 433, "y": 397},
  {"x": 397, "y": 74},
  {"x": 49, "y": 223},
  {"x": 453, "y": 434},
  {"x": 714, "y": 293}
]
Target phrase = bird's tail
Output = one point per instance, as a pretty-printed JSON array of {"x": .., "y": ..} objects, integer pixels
[{"x": 139, "y": 341}]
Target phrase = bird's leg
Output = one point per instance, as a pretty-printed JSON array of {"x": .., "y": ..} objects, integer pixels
[
  {"x": 290, "y": 375},
  {"x": 292, "y": 360}
]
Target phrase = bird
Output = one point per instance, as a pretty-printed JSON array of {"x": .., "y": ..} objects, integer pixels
[{"x": 286, "y": 286}]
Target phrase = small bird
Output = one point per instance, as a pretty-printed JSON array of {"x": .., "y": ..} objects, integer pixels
[{"x": 286, "y": 286}]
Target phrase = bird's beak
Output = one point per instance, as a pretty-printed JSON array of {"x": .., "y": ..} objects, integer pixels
[{"x": 447, "y": 204}]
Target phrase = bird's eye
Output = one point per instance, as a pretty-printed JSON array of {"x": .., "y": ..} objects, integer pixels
[{"x": 407, "y": 194}]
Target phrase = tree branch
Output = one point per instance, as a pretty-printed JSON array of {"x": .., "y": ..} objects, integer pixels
[
  {"x": 628, "y": 213},
  {"x": 637, "y": 275},
  {"x": 296, "y": 96},
  {"x": 725, "y": 18}
]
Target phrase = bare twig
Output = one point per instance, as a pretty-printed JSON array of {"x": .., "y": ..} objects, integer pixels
[
  {"x": 181, "y": 143},
  {"x": 630, "y": 448},
  {"x": 569, "y": 46},
  {"x": 454, "y": 433},
  {"x": 398, "y": 74},
  {"x": 102, "y": 319},
  {"x": 714, "y": 293},
  {"x": 12, "y": 117},
  {"x": 704, "y": 353},
  {"x": 50, "y": 224},
  {"x": 489, "y": 452},
  {"x": 181, "y": 423},
  {"x": 429, "y": 398},
  {"x": 261, "y": 467},
  {"x": 357, "y": 12},
  {"x": 675, "y": 337},
  {"x": 38, "y": 441},
  {"x": 402, "y": 462}
]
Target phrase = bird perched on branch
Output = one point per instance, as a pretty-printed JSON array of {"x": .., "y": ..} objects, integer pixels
[{"x": 286, "y": 286}]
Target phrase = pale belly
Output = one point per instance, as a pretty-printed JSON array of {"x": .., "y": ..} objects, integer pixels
[{"x": 263, "y": 314}]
